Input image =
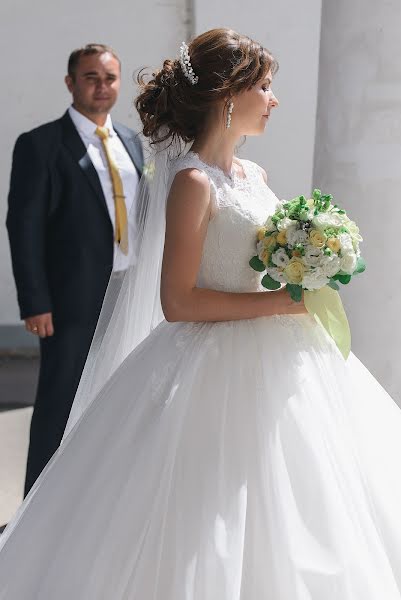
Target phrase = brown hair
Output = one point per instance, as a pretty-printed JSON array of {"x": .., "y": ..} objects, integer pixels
[
  {"x": 225, "y": 62},
  {"x": 88, "y": 50}
]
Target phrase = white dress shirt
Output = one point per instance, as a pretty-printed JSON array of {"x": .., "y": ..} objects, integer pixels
[{"x": 128, "y": 173}]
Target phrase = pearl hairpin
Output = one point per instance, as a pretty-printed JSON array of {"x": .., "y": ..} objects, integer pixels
[{"x": 186, "y": 66}]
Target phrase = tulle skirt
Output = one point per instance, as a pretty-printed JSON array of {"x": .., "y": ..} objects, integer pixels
[{"x": 223, "y": 461}]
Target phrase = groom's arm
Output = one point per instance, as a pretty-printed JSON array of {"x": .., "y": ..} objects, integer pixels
[{"x": 28, "y": 203}]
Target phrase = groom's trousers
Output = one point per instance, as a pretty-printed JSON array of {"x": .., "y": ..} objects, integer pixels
[{"x": 63, "y": 357}]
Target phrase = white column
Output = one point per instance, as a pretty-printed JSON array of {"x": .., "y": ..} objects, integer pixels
[{"x": 358, "y": 159}]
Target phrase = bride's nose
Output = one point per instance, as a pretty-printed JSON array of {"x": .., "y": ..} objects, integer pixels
[{"x": 273, "y": 102}]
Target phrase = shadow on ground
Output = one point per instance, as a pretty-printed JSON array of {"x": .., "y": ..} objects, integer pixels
[{"x": 18, "y": 379}]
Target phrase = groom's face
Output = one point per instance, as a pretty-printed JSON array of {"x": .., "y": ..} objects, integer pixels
[{"x": 95, "y": 84}]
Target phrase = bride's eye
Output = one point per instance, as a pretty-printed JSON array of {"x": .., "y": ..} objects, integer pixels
[{"x": 266, "y": 88}]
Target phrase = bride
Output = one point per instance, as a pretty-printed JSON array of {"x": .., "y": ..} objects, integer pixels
[{"x": 232, "y": 454}]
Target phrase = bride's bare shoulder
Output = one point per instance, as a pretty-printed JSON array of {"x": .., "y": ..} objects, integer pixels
[
  {"x": 190, "y": 183},
  {"x": 190, "y": 177}
]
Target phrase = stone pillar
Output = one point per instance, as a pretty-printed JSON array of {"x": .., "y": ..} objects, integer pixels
[{"x": 358, "y": 160}]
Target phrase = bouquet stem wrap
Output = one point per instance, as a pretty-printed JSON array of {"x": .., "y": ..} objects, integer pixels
[{"x": 326, "y": 307}]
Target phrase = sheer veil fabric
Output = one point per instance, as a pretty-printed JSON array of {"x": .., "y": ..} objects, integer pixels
[{"x": 131, "y": 307}]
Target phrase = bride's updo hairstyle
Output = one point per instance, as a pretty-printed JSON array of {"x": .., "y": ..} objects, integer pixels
[{"x": 225, "y": 63}]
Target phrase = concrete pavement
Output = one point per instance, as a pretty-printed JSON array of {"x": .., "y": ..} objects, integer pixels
[
  {"x": 14, "y": 435},
  {"x": 18, "y": 377}
]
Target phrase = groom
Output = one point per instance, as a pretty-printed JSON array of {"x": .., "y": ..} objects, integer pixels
[{"x": 72, "y": 186}]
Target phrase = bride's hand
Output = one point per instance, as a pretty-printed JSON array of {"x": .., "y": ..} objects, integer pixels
[{"x": 287, "y": 306}]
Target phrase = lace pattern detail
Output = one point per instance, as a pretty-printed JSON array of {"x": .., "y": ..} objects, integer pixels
[{"x": 242, "y": 205}]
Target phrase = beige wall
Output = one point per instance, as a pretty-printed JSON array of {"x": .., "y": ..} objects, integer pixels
[{"x": 36, "y": 40}]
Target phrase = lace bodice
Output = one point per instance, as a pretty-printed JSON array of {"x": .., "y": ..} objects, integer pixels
[{"x": 240, "y": 208}]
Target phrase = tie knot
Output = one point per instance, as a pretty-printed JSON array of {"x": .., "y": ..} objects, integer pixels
[{"x": 102, "y": 132}]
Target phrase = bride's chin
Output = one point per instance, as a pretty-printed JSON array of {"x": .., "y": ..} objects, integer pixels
[
  {"x": 260, "y": 128},
  {"x": 255, "y": 127},
  {"x": 256, "y": 132}
]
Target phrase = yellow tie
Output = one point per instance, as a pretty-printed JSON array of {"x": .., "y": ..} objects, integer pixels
[{"x": 121, "y": 233}]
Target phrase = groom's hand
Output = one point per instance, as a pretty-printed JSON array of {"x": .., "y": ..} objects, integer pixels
[{"x": 41, "y": 325}]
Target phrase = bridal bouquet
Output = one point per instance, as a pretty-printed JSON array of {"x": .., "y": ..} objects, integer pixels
[{"x": 308, "y": 243}]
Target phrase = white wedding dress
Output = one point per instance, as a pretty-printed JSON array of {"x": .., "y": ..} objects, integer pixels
[{"x": 241, "y": 460}]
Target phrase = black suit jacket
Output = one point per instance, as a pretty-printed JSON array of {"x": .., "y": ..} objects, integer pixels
[{"x": 60, "y": 232}]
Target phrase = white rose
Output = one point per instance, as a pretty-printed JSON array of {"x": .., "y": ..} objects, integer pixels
[
  {"x": 354, "y": 231},
  {"x": 324, "y": 220},
  {"x": 280, "y": 258},
  {"x": 287, "y": 223},
  {"x": 348, "y": 263},
  {"x": 276, "y": 274},
  {"x": 313, "y": 256},
  {"x": 296, "y": 236},
  {"x": 331, "y": 265},
  {"x": 346, "y": 242},
  {"x": 314, "y": 280}
]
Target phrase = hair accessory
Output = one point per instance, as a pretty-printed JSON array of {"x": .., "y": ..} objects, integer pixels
[
  {"x": 229, "y": 112},
  {"x": 186, "y": 66}
]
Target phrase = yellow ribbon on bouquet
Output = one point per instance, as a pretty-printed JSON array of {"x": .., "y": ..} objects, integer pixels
[{"x": 326, "y": 307}]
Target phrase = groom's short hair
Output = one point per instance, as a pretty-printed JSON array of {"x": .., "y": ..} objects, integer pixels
[{"x": 88, "y": 50}]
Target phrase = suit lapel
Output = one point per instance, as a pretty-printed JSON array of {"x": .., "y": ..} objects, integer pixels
[
  {"x": 77, "y": 148},
  {"x": 132, "y": 148}
]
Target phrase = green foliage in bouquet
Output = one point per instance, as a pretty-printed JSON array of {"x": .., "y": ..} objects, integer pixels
[{"x": 306, "y": 244}]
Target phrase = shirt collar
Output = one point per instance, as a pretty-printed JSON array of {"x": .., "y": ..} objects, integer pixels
[{"x": 86, "y": 126}]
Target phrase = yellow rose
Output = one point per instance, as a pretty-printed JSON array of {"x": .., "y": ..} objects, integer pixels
[
  {"x": 334, "y": 244},
  {"x": 282, "y": 237},
  {"x": 294, "y": 271},
  {"x": 261, "y": 233},
  {"x": 310, "y": 202},
  {"x": 317, "y": 238},
  {"x": 265, "y": 256},
  {"x": 270, "y": 241}
]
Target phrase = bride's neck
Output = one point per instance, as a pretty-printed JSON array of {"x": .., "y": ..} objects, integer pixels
[{"x": 216, "y": 147}]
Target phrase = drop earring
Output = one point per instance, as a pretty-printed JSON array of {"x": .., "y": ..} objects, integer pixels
[{"x": 230, "y": 109}]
